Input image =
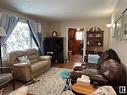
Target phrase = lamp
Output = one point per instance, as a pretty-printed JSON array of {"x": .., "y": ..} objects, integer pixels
[
  {"x": 109, "y": 25},
  {"x": 2, "y": 33}
]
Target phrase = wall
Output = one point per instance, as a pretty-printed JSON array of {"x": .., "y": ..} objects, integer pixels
[
  {"x": 119, "y": 46},
  {"x": 62, "y": 29}
]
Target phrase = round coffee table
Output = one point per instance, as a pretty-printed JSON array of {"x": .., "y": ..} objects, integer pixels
[{"x": 83, "y": 88}]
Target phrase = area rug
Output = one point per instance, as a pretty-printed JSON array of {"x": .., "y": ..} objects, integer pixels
[{"x": 49, "y": 83}]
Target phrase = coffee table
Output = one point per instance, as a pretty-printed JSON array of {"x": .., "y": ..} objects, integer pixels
[{"x": 83, "y": 88}]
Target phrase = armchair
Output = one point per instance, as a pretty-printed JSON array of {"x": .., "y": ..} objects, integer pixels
[{"x": 5, "y": 78}]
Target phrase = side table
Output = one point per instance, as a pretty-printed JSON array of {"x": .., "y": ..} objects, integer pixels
[{"x": 83, "y": 88}]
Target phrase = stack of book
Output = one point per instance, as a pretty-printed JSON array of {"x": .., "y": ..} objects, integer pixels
[{"x": 83, "y": 80}]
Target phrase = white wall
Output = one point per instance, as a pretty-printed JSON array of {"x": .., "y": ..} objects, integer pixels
[
  {"x": 62, "y": 29},
  {"x": 119, "y": 46}
]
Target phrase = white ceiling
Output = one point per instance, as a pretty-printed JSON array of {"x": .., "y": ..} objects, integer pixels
[{"x": 62, "y": 9}]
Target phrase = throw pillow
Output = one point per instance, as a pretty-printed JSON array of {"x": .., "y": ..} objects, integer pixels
[
  {"x": 104, "y": 90},
  {"x": 93, "y": 58},
  {"x": 23, "y": 59}
]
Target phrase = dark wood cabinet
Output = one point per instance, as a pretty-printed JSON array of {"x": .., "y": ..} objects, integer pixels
[
  {"x": 94, "y": 43},
  {"x": 54, "y": 46}
]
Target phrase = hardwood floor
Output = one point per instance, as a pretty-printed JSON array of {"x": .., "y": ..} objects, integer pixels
[{"x": 75, "y": 60}]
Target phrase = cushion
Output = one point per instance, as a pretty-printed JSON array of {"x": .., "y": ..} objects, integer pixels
[
  {"x": 33, "y": 58},
  {"x": 5, "y": 77},
  {"x": 104, "y": 90},
  {"x": 23, "y": 59},
  {"x": 93, "y": 58},
  {"x": 38, "y": 66}
]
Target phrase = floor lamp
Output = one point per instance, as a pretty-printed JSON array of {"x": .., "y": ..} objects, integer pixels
[{"x": 2, "y": 33}]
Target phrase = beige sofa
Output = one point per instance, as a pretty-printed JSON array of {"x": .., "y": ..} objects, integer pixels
[{"x": 28, "y": 71}]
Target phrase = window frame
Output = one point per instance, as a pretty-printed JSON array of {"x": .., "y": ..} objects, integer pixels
[{"x": 31, "y": 42}]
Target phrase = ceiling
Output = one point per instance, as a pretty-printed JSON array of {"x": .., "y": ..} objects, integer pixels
[{"x": 61, "y": 9}]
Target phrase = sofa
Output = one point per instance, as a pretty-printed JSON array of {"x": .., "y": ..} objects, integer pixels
[
  {"x": 26, "y": 71},
  {"x": 108, "y": 71}
]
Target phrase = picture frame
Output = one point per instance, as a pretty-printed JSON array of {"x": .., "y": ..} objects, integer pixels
[
  {"x": 113, "y": 30},
  {"x": 54, "y": 34},
  {"x": 118, "y": 28},
  {"x": 125, "y": 24}
]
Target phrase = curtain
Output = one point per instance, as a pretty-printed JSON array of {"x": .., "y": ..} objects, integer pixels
[
  {"x": 8, "y": 22},
  {"x": 35, "y": 31}
]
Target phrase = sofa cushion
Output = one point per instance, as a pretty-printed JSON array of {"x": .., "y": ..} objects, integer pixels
[
  {"x": 39, "y": 65},
  {"x": 23, "y": 59},
  {"x": 104, "y": 90},
  {"x": 5, "y": 77},
  {"x": 33, "y": 58},
  {"x": 93, "y": 58}
]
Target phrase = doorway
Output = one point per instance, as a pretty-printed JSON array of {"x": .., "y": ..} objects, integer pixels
[{"x": 75, "y": 42}]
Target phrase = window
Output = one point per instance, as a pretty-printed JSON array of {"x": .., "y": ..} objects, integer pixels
[
  {"x": 79, "y": 35},
  {"x": 20, "y": 38}
]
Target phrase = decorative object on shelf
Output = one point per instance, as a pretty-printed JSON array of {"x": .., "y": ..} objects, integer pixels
[
  {"x": 2, "y": 33},
  {"x": 125, "y": 24},
  {"x": 54, "y": 34}
]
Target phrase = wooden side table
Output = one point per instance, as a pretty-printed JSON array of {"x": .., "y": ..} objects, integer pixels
[{"x": 83, "y": 88}]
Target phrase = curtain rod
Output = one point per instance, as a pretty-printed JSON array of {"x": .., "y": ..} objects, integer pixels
[{"x": 28, "y": 19}]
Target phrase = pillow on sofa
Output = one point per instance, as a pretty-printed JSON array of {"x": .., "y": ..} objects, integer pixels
[
  {"x": 104, "y": 90},
  {"x": 23, "y": 59},
  {"x": 93, "y": 58}
]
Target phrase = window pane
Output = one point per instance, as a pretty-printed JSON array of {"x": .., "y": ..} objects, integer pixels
[
  {"x": 79, "y": 35},
  {"x": 20, "y": 38}
]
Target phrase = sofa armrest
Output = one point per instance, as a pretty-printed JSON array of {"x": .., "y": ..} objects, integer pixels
[
  {"x": 76, "y": 74},
  {"x": 22, "y": 71},
  {"x": 99, "y": 79},
  {"x": 22, "y": 65},
  {"x": 47, "y": 57}
]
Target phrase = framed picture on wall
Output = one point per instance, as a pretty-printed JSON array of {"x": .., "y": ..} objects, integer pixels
[
  {"x": 118, "y": 28},
  {"x": 113, "y": 31},
  {"x": 125, "y": 24}
]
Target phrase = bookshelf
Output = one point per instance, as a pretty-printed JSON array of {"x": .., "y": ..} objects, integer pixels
[{"x": 94, "y": 43}]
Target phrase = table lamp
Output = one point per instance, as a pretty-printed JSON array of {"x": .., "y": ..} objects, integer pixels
[{"x": 2, "y": 33}]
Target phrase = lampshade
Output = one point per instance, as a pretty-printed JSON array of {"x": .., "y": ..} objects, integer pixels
[
  {"x": 2, "y": 32},
  {"x": 109, "y": 25}
]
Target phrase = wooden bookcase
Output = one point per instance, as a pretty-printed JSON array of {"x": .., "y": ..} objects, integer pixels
[{"x": 94, "y": 44}]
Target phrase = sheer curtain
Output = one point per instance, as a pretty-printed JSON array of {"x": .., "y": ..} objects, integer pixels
[
  {"x": 35, "y": 31},
  {"x": 8, "y": 22}
]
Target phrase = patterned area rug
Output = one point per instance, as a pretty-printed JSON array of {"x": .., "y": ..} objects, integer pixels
[{"x": 50, "y": 83}]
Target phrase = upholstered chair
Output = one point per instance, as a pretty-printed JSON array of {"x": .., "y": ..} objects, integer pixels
[{"x": 7, "y": 77}]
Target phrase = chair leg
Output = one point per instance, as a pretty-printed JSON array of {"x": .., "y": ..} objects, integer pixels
[{"x": 13, "y": 83}]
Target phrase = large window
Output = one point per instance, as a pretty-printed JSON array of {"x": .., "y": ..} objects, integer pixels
[{"x": 20, "y": 38}]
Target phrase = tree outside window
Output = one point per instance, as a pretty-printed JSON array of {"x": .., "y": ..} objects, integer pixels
[{"x": 20, "y": 38}]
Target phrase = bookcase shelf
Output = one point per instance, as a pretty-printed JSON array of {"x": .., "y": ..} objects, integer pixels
[{"x": 94, "y": 43}]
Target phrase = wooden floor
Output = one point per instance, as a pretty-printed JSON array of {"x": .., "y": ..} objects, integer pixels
[{"x": 75, "y": 60}]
